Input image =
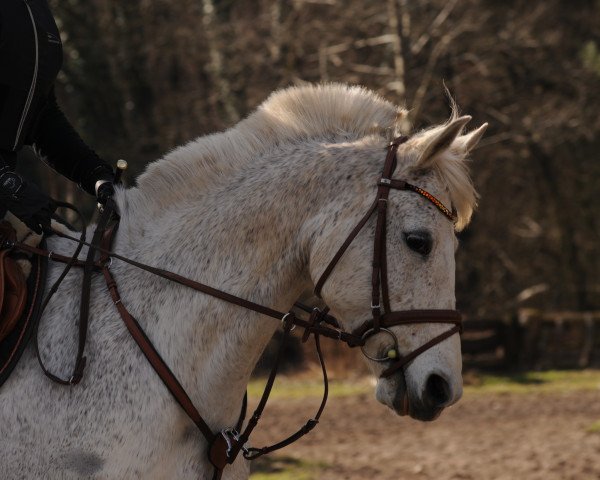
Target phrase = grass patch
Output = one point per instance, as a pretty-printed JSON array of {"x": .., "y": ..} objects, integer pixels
[
  {"x": 285, "y": 468},
  {"x": 594, "y": 427},
  {"x": 552, "y": 381},
  {"x": 298, "y": 387}
]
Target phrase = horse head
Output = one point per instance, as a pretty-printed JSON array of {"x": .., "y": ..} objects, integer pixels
[{"x": 420, "y": 243}]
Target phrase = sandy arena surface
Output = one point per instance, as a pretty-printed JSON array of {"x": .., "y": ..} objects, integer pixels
[{"x": 547, "y": 436}]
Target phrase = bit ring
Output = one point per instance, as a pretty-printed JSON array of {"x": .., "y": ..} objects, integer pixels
[{"x": 372, "y": 332}]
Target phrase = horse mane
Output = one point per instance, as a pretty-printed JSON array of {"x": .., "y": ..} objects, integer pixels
[{"x": 288, "y": 115}]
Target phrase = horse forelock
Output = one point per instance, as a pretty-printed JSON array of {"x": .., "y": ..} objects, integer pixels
[
  {"x": 451, "y": 167},
  {"x": 454, "y": 172}
]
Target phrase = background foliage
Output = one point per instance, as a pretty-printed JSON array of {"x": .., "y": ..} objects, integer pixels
[{"x": 143, "y": 76}]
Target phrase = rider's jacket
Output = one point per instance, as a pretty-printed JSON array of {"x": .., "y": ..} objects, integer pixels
[{"x": 30, "y": 59}]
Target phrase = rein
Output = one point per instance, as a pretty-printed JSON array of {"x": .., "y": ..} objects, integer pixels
[{"x": 225, "y": 445}]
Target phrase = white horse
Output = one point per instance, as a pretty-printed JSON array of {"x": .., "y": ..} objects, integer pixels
[{"x": 257, "y": 211}]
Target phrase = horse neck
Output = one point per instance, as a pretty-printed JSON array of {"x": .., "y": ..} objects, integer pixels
[{"x": 245, "y": 237}]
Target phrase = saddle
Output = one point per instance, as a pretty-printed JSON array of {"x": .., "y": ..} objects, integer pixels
[
  {"x": 20, "y": 301},
  {"x": 13, "y": 287}
]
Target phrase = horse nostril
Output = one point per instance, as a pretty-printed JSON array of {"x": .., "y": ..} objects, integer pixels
[{"x": 437, "y": 392}]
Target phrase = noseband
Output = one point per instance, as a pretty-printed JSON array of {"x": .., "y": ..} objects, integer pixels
[
  {"x": 384, "y": 318},
  {"x": 225, "y": 445}
]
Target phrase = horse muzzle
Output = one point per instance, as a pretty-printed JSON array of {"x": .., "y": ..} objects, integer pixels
[{"x": 424, "y": 405}]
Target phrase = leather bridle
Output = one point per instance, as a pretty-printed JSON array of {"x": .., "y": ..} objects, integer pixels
[
  {"x": 225, "y": 445},
  {"x": 382, "y": 315}
]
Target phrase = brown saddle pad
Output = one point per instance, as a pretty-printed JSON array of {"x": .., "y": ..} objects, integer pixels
[{"x": 13, "y": 286}]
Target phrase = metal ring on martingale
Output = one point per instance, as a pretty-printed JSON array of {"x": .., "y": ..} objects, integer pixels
[
  {"x": 283, "y": 321},
  {"x": 372, "y": 332}
]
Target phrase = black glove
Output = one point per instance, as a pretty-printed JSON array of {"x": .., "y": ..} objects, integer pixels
[{"x": 25, "y": 201}]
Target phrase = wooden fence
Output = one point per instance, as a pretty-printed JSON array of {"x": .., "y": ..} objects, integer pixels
[{"x": 533, "y": 339}]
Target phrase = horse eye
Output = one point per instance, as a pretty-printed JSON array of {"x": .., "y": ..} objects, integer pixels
[{"x": 420, "y": 242}]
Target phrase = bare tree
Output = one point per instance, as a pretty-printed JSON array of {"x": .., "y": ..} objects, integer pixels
[{"x": 141, "y": 77}]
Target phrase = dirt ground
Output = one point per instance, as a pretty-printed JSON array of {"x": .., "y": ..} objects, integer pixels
[{"x": 547, "y": 436}]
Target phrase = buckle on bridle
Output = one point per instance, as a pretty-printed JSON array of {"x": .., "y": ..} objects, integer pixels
[{"x": 284, "y": 320}]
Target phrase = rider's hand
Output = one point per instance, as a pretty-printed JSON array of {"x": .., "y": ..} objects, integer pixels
[
  {"x": 104, "y": 190},
  {"x": 25, "y": 201}
]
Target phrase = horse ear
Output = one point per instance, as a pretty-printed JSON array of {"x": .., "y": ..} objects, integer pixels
[
  {"x": 469, "y": 141},
  {"x": 442, "y": 140}
]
